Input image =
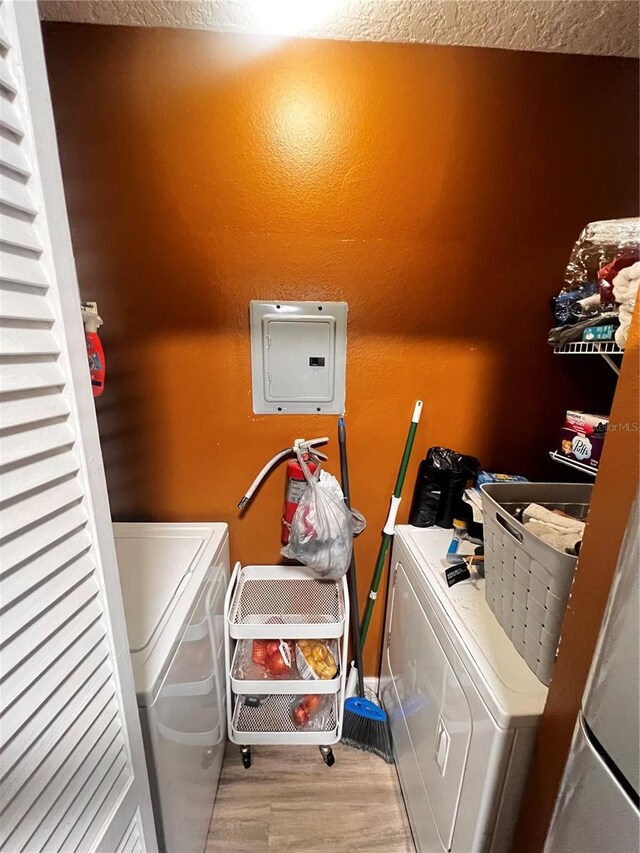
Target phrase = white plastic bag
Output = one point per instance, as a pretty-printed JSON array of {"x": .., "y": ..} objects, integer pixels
[{"x": 322, "y": 532}]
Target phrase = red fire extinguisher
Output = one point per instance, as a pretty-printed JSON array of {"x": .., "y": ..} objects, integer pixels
[
  {"x": 295, "y": 481},
  {"x": 295, "y": 484},
  {"x": 95, "y": 353}
]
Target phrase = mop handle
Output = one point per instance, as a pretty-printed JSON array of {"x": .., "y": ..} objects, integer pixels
[{"x": 387, "y": 530}]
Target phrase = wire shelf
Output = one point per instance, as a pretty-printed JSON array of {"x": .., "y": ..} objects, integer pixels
[
  {"x": 250, "y": 678},
  {"x": 589, "y": 348},
  {"x": 283, "y": 601},
  {"x": 603, "y": 348},
  {"x": 271, "y": 722},
  {"x": 573, "y": 463}
]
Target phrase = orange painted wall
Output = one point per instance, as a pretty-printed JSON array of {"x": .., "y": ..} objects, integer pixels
[{"x": 437, "y": 190}]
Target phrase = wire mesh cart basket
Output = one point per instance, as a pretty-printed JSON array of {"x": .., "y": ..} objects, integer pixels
[{"x": 282, "y": 603}]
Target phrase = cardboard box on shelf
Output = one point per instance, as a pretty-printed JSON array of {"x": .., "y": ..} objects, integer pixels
[{"x": 582, "y": 437}]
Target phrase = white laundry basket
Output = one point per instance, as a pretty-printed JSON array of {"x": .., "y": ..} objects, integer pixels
[{"x": 528, "y": 581}]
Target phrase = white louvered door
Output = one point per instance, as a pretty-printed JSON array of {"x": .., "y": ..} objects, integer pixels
[{"x": 72, "y": 772}]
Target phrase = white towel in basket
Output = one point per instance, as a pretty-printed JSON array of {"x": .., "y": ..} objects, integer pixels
[
  {"x": 552, "y": 536},
  {"x": 559, "y": 531},
  {"x": 535, "y": 512}
]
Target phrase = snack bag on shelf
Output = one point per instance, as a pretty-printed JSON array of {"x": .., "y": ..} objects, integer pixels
[
  {"x": 316, "y": 659},
  {"x": 311, "y": 713}
]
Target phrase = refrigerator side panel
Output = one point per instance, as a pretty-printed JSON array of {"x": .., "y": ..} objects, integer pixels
[
  {"x": 611, "y": 705},
  {"x": 593, "y": 813}
]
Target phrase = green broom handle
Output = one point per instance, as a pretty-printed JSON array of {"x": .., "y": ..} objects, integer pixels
[{"x": 387, "y": 533}]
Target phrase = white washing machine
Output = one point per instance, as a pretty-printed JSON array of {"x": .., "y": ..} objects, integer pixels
[
  {"x": 463, "y": 704},
  {"x": 174, "y": 578}
]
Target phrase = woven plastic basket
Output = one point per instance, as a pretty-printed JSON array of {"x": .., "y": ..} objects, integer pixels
[{"x": 528, "y": 581}]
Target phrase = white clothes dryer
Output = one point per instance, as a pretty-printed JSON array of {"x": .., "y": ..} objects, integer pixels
[{"x": 463, "y": 705}]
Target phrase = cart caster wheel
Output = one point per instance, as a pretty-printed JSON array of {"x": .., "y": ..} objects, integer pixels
[
  {"x": 245, "y": 751},
  {"x": 327, "y": 756}
]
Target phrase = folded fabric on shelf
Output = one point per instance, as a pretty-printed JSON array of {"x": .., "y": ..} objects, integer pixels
[{"x": 625, "y": 291}]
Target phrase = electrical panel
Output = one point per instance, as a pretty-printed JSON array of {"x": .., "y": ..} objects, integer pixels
[{"x": 298, "y": 357}]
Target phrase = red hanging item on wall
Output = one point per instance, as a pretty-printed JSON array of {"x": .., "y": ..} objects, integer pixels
[
  {"x": 294, "y": 489},
  {"x": 295, "y": 483},
  {"x": 95, "y": 353}
]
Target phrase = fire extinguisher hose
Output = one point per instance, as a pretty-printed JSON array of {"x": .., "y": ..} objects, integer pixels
[
  {"x": 263, "y": 473},
  {"x": 300, "y": 446},
  {"x": 388, "y": 529}
]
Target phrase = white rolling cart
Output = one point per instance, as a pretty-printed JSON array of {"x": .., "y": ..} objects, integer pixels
[{"x": 281, "y": 603}]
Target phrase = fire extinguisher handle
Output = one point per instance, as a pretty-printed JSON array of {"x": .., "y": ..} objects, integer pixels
[{"x": 300, "y": 445}]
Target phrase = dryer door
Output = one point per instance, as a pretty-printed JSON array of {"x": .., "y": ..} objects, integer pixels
[{"x": 430, "y": 703}]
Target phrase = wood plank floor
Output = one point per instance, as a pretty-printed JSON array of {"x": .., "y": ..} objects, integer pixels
[{"x": 289, "y": 800}]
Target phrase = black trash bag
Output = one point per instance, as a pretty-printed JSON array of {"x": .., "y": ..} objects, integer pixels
[{"x": 442, "y": 479}]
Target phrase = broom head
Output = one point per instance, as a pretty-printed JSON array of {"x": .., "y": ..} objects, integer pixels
[{"x": 366, "y": 727}]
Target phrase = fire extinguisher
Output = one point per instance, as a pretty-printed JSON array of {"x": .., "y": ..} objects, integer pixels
[
  {"x": 295, "y": 483},
  {"x": 95, "y": 353},
  {"x": 295, "y": 480}
]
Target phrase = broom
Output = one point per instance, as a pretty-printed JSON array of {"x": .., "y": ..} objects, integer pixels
[{"x": 365, "y": 725}]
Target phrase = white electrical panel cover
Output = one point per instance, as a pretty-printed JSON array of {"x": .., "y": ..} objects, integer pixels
[{"x": 298, "y": 357}]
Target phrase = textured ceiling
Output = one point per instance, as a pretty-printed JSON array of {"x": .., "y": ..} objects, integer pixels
[{"x": 605, "y": 27}]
